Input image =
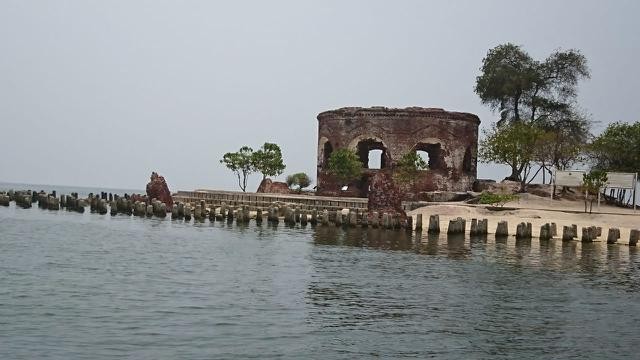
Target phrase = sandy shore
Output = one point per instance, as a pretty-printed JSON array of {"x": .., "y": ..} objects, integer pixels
[{"x": 538, "y": 211}]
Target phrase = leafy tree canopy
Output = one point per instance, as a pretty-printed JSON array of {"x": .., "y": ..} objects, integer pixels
[
  {"x": 516, "y": 145},
  {"x": 617, "y": 148},
  {"x": 522, "y": 88},
  {"x": 408, "y": 168},
  {"x": 542, "y": 94},
  {"x": 268, "y": 160},
  {"x": 301, "y": 180},
  {"x": 241, "y": 163},
  {"x": 345, "y": 165}
]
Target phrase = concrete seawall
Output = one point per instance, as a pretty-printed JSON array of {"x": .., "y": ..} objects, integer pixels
[{"x": 263, "y": 201}]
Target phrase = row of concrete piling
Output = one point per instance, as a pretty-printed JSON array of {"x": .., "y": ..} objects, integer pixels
[{"x": 114, "y": 204}]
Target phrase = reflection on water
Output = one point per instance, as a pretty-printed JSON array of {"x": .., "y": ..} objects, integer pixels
[{"x": 91, "y": 286}]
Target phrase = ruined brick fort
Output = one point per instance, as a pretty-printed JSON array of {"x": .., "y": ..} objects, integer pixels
[{"x": 449, "y": 140}]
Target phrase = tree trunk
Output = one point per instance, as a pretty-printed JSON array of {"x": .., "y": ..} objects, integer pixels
[{"x": 515, "y": 173}]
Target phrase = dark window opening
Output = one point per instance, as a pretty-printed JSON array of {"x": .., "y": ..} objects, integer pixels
[
  {"x": 326, "y": 152},
  {"x": 431, "y": 154},
  {"x": 467, "y": 162},
  {"x": 372, "y": 154}
]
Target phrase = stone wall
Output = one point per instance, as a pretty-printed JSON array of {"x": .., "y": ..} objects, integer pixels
[{"x": 449, "y": 138}]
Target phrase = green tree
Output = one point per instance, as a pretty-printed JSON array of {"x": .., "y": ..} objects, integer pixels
[
  {"x": 617, "y": 148},
  {"x": 570, "y": 135},
  {"x": 345, "y": 165},
  {"x": 591, "y": 185},
  {"x": 268, "y": 160},
  {"x": 408, "y": 168},
  {"x": 522, "y": 88},
  {"x": 301, "y": 180},
  {"x": 516, "y": 145},
  {"x": 241, "y": 163}
]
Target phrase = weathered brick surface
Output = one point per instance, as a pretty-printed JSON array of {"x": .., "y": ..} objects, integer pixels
[
  {"x": 384, "y": 196},
  {"x": 267, "y": 186},
  {"x": 450, "y": 138}
]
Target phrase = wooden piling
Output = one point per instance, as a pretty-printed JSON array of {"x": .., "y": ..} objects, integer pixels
[
  {"x": 325, "y": 217},
  {"x": 546, "y": 232},
  {"x": 353, "y": 218},
  {"x": 365, "y": 219},
  {"x": 259, "y": 217},
  {"x": 457, "y": 226},
  {"x": 434, "y": 224},
  {"x": 387, "y": 222},
  {"x": 473, "y": 230},
  {"x": 568, "y": 233},
  {"x": 523, "y": 231},
  {"x": 634, "y": 236},
  {"x": 375, "y": 219},
  {"x": 589, "y": 233},
  {"x": 314, "y": 217},
  {"x": 502, "y": 229},
  {"x": 338, "y": 220},
  {"x": 613, "y": 235},
  {"x": 418, "y": 222}
]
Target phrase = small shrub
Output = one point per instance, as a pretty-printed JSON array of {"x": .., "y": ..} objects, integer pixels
[
  {"x": 301, "y": 180},
  {"x": 496, "y": 199}
]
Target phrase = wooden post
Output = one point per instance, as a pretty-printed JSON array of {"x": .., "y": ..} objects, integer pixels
[
  {"x": 634, "y": 236},
  {"x": 375, "y": 219},
  {"x": 338, "y": 217},
  {"x": 502, "y": 229},
  {"x": 325, "y": 217},
  {"x": 365, "y": 219},
  {"x": 457, "y": 226},
  {"x": 434, "y": 224},
  {"x": 418, "y": 222},
  {"x": 353, "y": 218},
  {"x": 259, "y": 217},
  {"x": 474, "y": 227},
  {"x": 613, "y": 235},
  {"x": 567, "y": 233}
]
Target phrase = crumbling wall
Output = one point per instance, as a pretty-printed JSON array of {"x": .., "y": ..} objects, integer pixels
[{"x": 449, "y": 138}]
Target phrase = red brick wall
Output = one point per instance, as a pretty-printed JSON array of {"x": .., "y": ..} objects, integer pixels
[{"x": 400, "y": 131}]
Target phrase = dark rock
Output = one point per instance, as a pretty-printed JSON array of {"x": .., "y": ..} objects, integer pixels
[{"x": 157, "y": 189}]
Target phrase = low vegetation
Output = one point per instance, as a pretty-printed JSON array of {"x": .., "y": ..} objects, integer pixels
[
  {"x": 300, "y": 180},
  {"x": 496, "y": 199}
]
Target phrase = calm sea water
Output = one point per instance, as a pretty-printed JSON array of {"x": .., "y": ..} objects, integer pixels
[{"x": 99, "y": 287}]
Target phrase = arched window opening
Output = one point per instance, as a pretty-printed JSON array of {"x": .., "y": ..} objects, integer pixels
[
  {"x": 372, "y": 154},
  {"x": 326, "y": 152},
  {"x": 431, "y": 153},
  {"x": 467, "y": 162},
  {"x": 424, "y": 156},
  {"x": 374, "y": 159}
]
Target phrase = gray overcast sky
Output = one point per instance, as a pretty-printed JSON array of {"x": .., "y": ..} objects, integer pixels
[{"x": 103, "y": 92}]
